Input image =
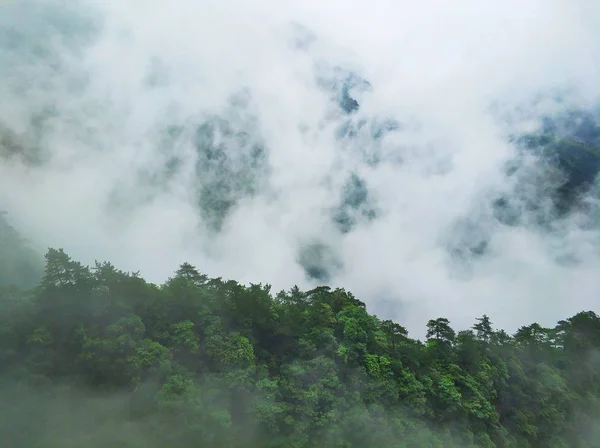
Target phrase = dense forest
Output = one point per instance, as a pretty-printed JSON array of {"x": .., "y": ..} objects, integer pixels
[{"x": 97, "y": 357}]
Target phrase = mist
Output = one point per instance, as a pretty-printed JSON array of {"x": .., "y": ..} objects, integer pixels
[{"x": 360, "y": 145}]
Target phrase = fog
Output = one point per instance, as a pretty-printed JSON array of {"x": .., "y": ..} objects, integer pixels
[{"x": 356, "y": 144}]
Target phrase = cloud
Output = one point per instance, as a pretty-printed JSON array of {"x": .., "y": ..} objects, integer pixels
[{"x": 212, "y": 133}]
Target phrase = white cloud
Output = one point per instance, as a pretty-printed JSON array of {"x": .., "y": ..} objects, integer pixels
[{"x": 437, "y": 67}]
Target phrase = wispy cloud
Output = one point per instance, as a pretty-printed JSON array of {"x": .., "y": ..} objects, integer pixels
[{"x": 212, "y": 133}]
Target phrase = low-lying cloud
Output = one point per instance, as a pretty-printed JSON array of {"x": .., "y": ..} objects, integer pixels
[{"x": 362, "y": 145}]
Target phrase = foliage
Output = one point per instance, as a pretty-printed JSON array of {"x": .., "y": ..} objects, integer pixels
[{"x": 207, "y": 362}]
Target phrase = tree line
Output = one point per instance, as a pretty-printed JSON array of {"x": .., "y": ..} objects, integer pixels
[{"x": 201, "y": 361}]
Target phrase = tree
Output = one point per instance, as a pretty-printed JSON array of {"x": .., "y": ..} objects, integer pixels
[
  {"x": 440, "y": 331},
  {"x": 484, "y": 330}
]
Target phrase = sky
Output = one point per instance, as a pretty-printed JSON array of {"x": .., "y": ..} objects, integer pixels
[{"x": 101, "y": 97}]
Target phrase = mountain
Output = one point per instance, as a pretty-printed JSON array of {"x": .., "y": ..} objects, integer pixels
[{"x": 20, "y": 265}]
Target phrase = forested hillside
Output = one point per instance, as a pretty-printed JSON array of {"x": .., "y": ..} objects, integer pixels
[
  {"x": 20, "y": 265},
  {"x": 96, "y": 357},
  {"x": 425, "y": 164}
]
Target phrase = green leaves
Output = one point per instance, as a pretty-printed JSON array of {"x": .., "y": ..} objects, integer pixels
[
  {"x": 232, "y": 349},
  {"x": 183, "y": 336},
  {"x": 208, "y": 362},
  {"x": 62, "y": 271}
]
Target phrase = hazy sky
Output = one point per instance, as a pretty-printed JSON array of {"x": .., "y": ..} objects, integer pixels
[{"x": 95, "y": 85}]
